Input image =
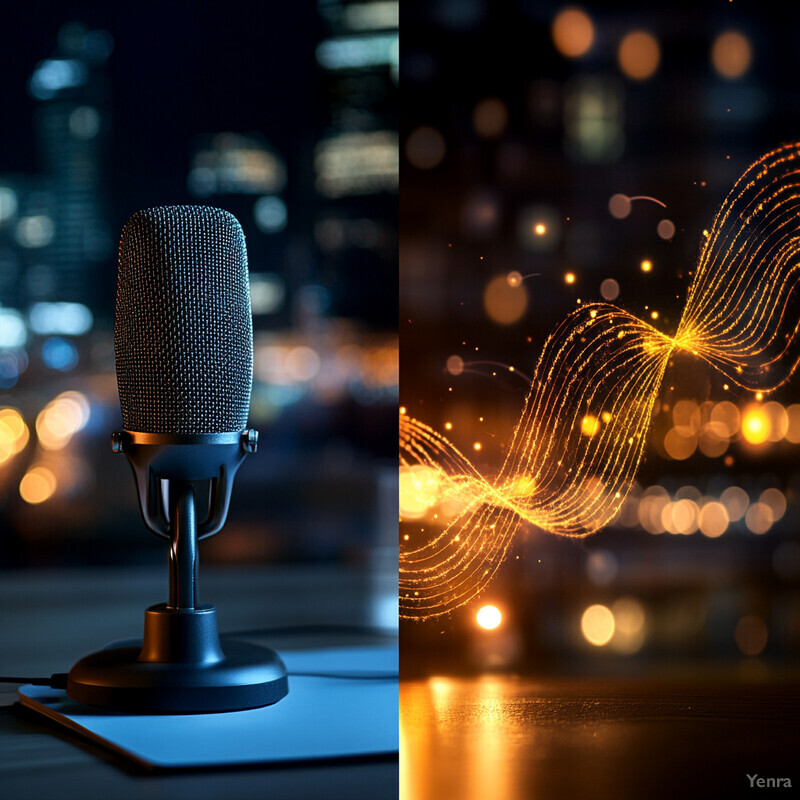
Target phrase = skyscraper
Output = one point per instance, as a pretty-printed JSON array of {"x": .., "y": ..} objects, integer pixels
[
  {"x": 72, "y": 125},
  {"x": 356, "y": 160}
]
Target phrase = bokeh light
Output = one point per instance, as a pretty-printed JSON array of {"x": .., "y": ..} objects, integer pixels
[
  {"x": 37, "y": 485},
  {"x": 539, "y": 227},
  {"x": 59, "y": 353},
  {"x": 731, "y": 54},
  {"x": 793, "y": 427},
  {"x": 759, "y": 518},
  {"x": 620, "y": 206},
  {"x": 270, "y": 214},
  {"x": 419, "y": 491},
  {"x": 597, "y": 625},
  {"x": 680, "y": 516},
  {"x": 14, "y": 434},
  {"x": 425, "y": 147},
  {"x": 639, "y": 55},
  {"x": 629, "y": 625},
  {"x": 609, "y": 289},
  {"x": 654, "y": 500},
  {"x": 688, "y": 492},
  {"x": 504, "y": 303},
  {"x": 775, "y": 499},
  {"x": 778, "y": 420},
  {"x": 666, "y": 229},
  {"x": 756, "y": 424},
  {"x": 713, "y": 439},
  {"x": 590, "y": 425},
  {"x": 679, "y": 446},
  {"x": 8, "y": 203},
  {"x": 727, "y": 416},
  {"x": 35, "y": 231},
  {"x": 302, "y": 364},
  {"x": 714, "y": 520},
  {"x": 686, "y": 417},
  {"x": 61, "y": 419},
  {"x": 573, "y": 32},
  {"x": 736, "y": 500},
  {"x": 455, "y": 365},
  {"x": 84, "y": 122},
  {"x": 489, "y": 617}
]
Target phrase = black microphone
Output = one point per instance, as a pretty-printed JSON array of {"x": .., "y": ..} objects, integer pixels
[{"x": 183, "y": 342}]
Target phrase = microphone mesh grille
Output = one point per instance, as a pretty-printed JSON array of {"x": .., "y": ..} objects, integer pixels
[{"x": 183, "y": 336}]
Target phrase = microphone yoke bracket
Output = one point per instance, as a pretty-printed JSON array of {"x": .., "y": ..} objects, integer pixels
[{"x": 185, "y": 457}]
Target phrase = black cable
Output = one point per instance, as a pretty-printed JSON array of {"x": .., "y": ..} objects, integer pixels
[{"x": 58, "y": 680}]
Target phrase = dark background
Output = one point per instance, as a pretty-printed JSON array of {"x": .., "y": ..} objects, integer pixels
[{"x": 177, "y": 69}]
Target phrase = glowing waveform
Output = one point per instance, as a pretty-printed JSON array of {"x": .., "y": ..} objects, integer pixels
[{"x": 575, "y": 452}]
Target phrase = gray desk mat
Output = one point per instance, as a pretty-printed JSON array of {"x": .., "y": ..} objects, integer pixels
[{"x": 320, "y": 718}]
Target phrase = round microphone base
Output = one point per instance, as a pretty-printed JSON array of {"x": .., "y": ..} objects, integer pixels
[
  {"x": 179, "y": 668},
  {"x": 247, "y": 677}
]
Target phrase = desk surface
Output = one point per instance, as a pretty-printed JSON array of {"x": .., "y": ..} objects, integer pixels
[
  {"x": 48, "y": 620},
  {"x": 508, "y": 738}
]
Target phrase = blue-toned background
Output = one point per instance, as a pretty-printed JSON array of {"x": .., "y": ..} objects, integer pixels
[{"x": 284, "y": 114}]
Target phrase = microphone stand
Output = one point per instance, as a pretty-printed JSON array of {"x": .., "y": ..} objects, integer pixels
[
  {"x": 180, "y": 666},
  {"x": 183, "y": 547}
]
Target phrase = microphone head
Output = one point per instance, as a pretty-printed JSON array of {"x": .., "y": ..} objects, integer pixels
[{"x": 183, "y": 335}]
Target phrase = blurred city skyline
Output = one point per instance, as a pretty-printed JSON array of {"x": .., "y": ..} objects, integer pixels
[{"x": 285, "y": 116}]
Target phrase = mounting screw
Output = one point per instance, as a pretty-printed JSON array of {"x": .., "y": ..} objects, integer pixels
[
  {"x": 117, "y": 442},
  {"x": 250, "y": 440}
]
